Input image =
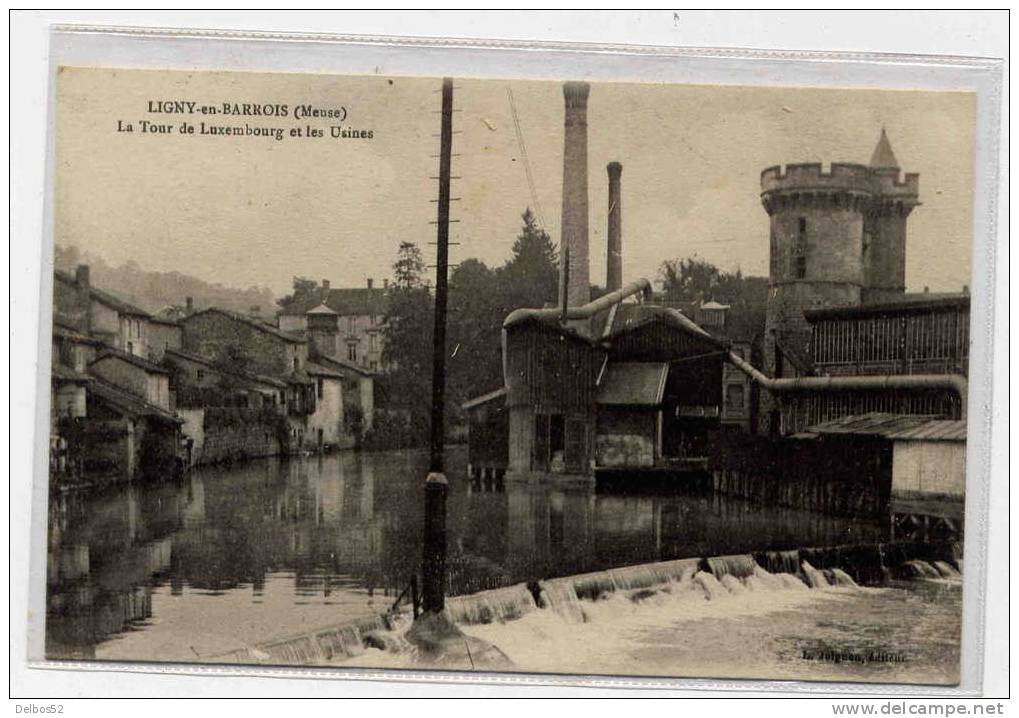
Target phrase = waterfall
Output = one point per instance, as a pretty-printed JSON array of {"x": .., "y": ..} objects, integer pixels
[
  {"x": 342, "y": 641},
  {"x": 843, "y": 579},
  {"x": 947, "y": 570},
  {"x": 815, "y": 578},
  {"x": 494, "y": 606},
  {"x": 710, "y": 585},
  {"x": 779, "y": 561},
  {"x": 560, "y": 596},
  {"x": 738, "y": 566},
  {"x": 593, "y": 585},
  {"x": 919, "y": 568}
]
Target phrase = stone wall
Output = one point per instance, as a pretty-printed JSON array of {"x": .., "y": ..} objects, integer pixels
[{"x": 215, "y": 440}]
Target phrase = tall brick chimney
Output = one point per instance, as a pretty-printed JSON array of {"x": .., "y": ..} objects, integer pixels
[
  {"x": 574, "y": 216},
  {"x": 614, "y": 263}
]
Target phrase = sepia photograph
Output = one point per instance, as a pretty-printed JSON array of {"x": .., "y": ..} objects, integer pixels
[{"x": 509, "y": 376}]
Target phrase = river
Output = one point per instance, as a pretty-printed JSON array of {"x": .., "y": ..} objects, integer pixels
[{"x": 231, "y": 556}]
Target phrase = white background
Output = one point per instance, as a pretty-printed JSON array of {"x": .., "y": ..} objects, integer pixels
[{"x": 971, "y": 33}]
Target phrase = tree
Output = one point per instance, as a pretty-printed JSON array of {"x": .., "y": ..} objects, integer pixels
[
  {"x": 532, "y": 274},
  {"x": 688, "y": 280},
  {"x": 303, "y": 288},
  {"x": 409, "y": 266},
  {"x": 407, "y": 345}
]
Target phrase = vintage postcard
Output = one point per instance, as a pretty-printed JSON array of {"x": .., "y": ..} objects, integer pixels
[{"x": 509, "y": 376}]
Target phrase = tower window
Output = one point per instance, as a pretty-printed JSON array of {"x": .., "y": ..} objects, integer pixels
[
  {"x": 803, "y": 227},
  {"x": 801, "y": 267},
  {"x": 801, "y": 250}
]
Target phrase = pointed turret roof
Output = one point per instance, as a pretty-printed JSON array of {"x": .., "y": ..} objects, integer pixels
[{"x": 883, "y": 157}]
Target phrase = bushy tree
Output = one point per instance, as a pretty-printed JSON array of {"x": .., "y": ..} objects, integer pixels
[{"x": 302, "y": 289}]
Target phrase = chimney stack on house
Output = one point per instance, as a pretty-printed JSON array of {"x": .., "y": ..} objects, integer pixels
[
  {"x": 574, "y": 235},
  {"x": 325, "y": 284},
  {"x": 189, "y": 305},
  {"x": 370, "y": 282},
  {"x": 82, "y": 276},
  {"x": 614, "y": 264}
]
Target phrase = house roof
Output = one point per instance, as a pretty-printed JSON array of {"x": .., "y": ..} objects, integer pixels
[
  {"x": 483, "y": 399},
  {"x": 344, "y": 364},
  {"x": 357, "y": 301},
  {"x": 104, "y": 297},
  {"x": 633, "y": 384},
  {"x": 128, "y": 403},
  {"x": 137, "y": 361},
  {"x": 67, "y": 375},
  {"x": 321, "y": 309},
  {"x": 65, "y": 332},
  {"x": 204, "y": 361},
  {"x": 315, "y": 369},
  {"x": 895, "y": 427},
  {"x": 251, "y": 322},
  {"x": 714, "y": 305}
]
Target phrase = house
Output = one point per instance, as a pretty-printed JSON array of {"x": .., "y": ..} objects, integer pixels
[
  {"x": 163, "y": 335},
  {"x": 262, "y": 348},
  {"x": 346, "y": 323},
  {"x": 98, "y": 314},
  {"x": 325, "y": 423},
  {"x": 148, "y": 381},
  {"x": 197, "y": 381},
  {"x": 358, "y": 393}
]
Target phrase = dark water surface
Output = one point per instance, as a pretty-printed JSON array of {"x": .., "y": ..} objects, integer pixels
[{"x": 230, "y": 556}]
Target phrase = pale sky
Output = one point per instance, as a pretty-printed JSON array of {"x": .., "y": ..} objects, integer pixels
[{"x": 253, "y": 211}]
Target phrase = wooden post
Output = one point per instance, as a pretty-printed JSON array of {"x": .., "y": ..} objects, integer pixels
[{"x": 436, "y": 487}]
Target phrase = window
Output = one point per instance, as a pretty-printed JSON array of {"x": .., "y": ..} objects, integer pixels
[
  {"x": 371, "y": 342},
  {"x": 801, "y": 250},
  {"x": 352, "y": 352},
  {"x": 321, "y": 388},
  {"x": 734, "y": 397},
  {"x": 199, "y": 374}
]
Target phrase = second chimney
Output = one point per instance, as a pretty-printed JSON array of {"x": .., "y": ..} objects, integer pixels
[
  {"x": 370, "y": 282},
  {"x": 614, "y": 263},
  {"x": 574, "y": 216},
  {"x": 325, "y": 284}
]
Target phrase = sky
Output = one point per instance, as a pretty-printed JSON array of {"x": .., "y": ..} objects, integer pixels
[{"x": 247, "y": 211}]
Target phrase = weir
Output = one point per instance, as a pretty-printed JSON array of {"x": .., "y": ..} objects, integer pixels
[{"x": 592, "y": 596}]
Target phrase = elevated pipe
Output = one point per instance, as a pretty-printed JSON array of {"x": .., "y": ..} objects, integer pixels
[
  {"x": 823, "y": 384},
  {"x": 586, "y": 311}
]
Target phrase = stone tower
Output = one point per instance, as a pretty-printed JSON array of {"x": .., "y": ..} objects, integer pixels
[{"x": 837, "y": 238}]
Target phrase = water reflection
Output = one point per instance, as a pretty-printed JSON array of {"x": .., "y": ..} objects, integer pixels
[{"x": 283, "y": 543}]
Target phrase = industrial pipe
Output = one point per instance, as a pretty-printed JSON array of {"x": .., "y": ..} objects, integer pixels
[
  {"x": 586, "y": 311},
  {"x": 951, "y": 382}
]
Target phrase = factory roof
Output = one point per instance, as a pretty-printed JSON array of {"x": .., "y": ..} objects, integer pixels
[
  {"x": 912, "y": 303},
  {"x": 895, "y": 427},
  {"x": 631, "y": 316},
  {"x": 633, "y": 384}
]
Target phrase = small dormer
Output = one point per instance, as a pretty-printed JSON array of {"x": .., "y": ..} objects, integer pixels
[{"x": 712, "y": 314}]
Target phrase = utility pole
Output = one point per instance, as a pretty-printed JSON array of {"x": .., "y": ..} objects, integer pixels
[{"x": 436, "y": 486}]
